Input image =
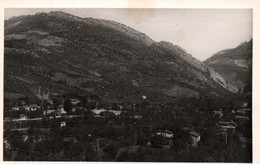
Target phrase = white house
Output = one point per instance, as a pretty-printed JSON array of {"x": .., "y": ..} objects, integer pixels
[
  {"x": 241, "y": 111},
  {"x": 165, "y": 133},
  {"x": 116, "y": 112},
  {"x": 7, "y": 144},
  {"x": 242, "y": 117},
  {"x": 50, "y": 111},
  {"x": 15, "y": 108},
  {"x": 98, "y": 111},
  {"x": 31, "y": 107},
  {"x": 227, "y": 125},
  {"x": 63, "y": 123},
  {"x": 74, "y": 101},
  {"x": 137, "y": 117},
  {"x": 195, "y": 138},
  {"x": 218, "y": 113}
]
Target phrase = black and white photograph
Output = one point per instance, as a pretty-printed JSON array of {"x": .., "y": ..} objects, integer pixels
[{"x": 128, "y": 85}]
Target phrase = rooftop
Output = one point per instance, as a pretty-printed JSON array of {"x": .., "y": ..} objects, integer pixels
[
  {"x": 166, "y": 131},
  {"x": 193, "y": 133},
  {"x": 242, "y": 117}
]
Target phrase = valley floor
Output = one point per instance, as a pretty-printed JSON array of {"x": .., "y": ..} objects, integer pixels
[{"x": 177, "y": 132}]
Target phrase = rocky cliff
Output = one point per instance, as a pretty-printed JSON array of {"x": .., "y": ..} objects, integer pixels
[{"x": 235, "y": 65}]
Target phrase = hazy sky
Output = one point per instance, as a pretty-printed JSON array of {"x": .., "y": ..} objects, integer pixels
[{"x": 201, "y": 32}]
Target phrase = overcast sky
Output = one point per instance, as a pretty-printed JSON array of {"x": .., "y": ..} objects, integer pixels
[{"x": 201, "y": 32}]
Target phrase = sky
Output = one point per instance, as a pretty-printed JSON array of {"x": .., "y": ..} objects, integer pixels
[{"x": 201, "y": 32}]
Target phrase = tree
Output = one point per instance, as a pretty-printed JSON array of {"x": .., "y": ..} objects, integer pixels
[
  {"x": 115, "y": 106},
  {"x": 84, "y": 101},
  {"x": 15, "y": 139},
  {"x": 72, "y": 150},
  {"x": 67, "y": 106},
  {"x": 89, "y": 155},
  {"x": 157, "y": 140},
  {"x": 25, "y": 100},
  {"x": 110, "y": 152},
  {"x": 56, "y": 101}
]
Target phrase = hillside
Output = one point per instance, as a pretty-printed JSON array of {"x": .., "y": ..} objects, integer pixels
[
  {"x": 63, "y": 54},
  {"x": 235, "y": 65}
]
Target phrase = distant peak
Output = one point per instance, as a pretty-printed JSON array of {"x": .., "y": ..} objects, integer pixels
[
  {"x": 242, "y": 44},
  {"x": 245, "y": 43}
]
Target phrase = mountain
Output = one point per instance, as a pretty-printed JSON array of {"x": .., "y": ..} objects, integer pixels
[
  {"x": 235, "y": 65},
  {"x": 58, "y": 53}
]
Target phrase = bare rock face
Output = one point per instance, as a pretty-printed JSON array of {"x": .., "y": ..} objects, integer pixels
[
  {"x": 200, "y": 66},
  {"x": 65, "y": 53},
  {"x": 221, "y": 81},
  {"x": 235, "y": 65},
  {"x": 183, "y": 54}
]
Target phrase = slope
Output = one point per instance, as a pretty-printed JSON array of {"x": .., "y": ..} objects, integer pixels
[{"x": 63, "y": 54}]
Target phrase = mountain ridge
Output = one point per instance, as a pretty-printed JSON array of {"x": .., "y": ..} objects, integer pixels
[
  {"x": 234, "y": 64},
  {"x": 107, "y": 59}
]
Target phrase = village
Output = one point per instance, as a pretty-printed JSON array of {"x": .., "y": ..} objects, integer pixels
[{"x": 81, "y": 129}]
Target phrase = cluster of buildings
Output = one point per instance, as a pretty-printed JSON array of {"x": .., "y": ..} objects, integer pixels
[
  {"x": 50, "y": 110},
  {"x": 31, "y": 107},
  {"x": 168, "y": 137},
  {"x": 235, "y": 123},
  {"x": 224, "y": 127}
]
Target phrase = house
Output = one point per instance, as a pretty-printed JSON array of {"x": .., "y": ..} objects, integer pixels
[
  {"x": 143, "y": 97},
  {"x": 165, "y": 133},
  {"x": 246, "y": 109},
  {"x": 195, "y": 138},
  {"x": 242, "y": 117},
  {"x": 63, "y": 123},
  {"x": 60, "y": 111},
  {"x": 241, "y": 112},
  {"x": 74, "y": 101},
  {"x": 7, "y": 144},
  {"x": 160, "y": 139},
  {"x": 31, "y": 107},
  {"x": 245, "y": 141},
  {"x": 137, "y": 117},
  {"x": 16, "y": 108},
  {"x": 50, "y": 111},
  {"x": 23, "y": 116},
  {"x": 107, "y": 114},
  {"x": 218, "y": 113},
  {"x": 225, "y": 123},
  {"x": 227, "y": 126},
  {"x": 116, "y": 112},
  {"x": 98, "y": 111},
  {"x": 74, "y": 109}
]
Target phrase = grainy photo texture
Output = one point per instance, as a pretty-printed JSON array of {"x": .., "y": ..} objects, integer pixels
[{"x": 139, "y": 85}]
